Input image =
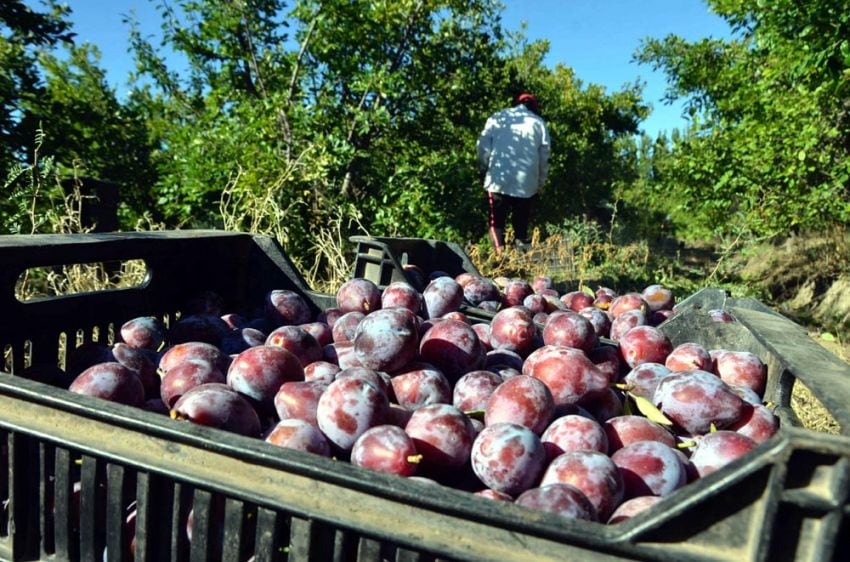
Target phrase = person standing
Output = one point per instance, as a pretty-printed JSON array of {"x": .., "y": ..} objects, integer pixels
[{"x": 513, "y": 156}]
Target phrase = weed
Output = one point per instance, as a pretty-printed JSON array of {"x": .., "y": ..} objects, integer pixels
[
  {"x": 39, "y": 204},
  {"x": 31, "y": 193},
  {"x": 580, "y": 252},
  {"x": 332, "y": 254},
  {"x": 260, "y": 211}
]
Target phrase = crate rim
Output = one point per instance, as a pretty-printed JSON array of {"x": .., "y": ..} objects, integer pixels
[{"x": 387, "y": 486}]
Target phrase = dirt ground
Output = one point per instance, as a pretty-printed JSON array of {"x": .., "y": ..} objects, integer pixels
[
  {"x": 805, "y": 277},
  {"x": 808, "y": 408}
]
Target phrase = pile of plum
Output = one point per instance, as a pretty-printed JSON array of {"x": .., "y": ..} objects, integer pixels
[{"x": 576, "y": 404}]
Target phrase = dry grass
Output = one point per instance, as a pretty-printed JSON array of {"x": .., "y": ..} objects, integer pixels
[
  {"x": 78, "y": 278},
  {"x": 259, "y": 211},
  {"x": 331, "y": 265},
  {"x": 511, "y": 263},
  {"x": 570, "y": 262},
  {"x": 64, "y": 215},
  {"x": 811, "y": 412}
]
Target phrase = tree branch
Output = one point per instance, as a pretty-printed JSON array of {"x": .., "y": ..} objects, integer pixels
[
  {"x": 293, "y": 81},
  {"x": 247, "y": 42},
  {"x": 296, "y": 68},
  {"x": 393, "y": 65}
]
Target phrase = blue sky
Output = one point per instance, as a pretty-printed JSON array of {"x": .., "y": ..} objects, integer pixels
[{"x": 597, "y": 38}]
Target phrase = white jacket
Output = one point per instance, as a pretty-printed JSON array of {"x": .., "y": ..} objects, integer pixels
[{"x": 514, "y": 150}]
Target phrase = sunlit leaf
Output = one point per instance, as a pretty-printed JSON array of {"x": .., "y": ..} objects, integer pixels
[{"x": 649, "y": 410}]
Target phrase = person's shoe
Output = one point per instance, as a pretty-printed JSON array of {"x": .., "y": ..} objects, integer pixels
[{"x": 521, "y": 246}]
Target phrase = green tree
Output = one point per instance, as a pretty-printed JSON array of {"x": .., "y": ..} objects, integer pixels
[
  {"x": 403, "y": 87},
  {"x": 768, "y": 151},
  {"x": 285, "y": 119},
  {"x": 89, "y": 132},
  {"x": 56, "y": 102},
  {"x": 223, "y": 111},
  {"x": 23, "y": 34},
  {"x": 365, "y": 106}
]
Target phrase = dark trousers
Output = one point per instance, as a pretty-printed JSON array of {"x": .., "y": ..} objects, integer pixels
[{"x": 520, "y": 209}]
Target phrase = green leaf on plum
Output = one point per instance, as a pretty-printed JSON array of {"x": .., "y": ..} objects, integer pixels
[{"x": 649, "y": 410}]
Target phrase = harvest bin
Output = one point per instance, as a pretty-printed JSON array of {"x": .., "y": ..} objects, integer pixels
[
  {"x": 786, "y": 500},
  {"x": 381, "y": 260}
]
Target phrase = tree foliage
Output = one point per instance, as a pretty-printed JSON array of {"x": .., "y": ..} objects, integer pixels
[
  {"x": 299, "y": 114},
  {"x": 286, "y": 117},
  {"x": 769, "y": 149},
  {"x": 89, "y": 131},
  {"x": 23, "y": 33},
  {"x": 55, "y": 99}
]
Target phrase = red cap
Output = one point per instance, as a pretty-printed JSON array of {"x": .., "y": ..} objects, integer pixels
[{"x": 529, "y": 99}]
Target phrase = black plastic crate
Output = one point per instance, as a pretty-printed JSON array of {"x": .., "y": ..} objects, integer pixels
[
  {"x": 382, "y": 260},
  {"x": 786, "y": 500}
]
